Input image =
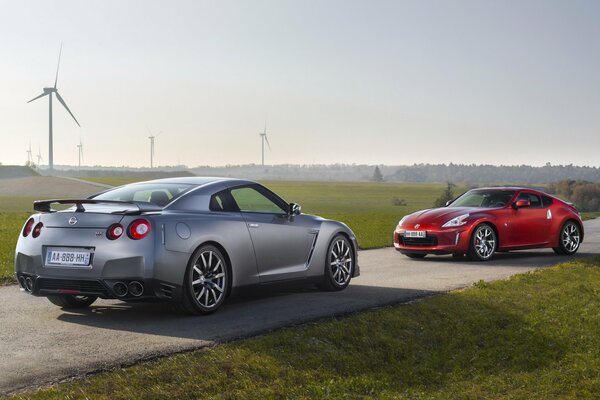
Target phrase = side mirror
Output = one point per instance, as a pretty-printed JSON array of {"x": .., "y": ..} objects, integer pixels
[
  {"x": 295, "y": 209},
  {"x": 521, "y": 204}
]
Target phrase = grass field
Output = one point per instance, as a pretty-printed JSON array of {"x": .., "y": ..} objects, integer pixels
[{"x": 533, "y": 336}]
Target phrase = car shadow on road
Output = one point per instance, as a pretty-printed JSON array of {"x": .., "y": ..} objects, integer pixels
[
  {"x": 248, "y": 314},
  {"x": 525, "y": 259}
]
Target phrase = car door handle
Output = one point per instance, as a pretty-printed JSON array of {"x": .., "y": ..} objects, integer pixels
[{"x": 251, "y": 225}]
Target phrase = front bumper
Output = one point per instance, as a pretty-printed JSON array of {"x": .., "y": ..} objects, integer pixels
[{"x": 436, "y": 241}]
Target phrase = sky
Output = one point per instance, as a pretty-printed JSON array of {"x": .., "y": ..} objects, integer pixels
[{"x": 365, "y": 82}]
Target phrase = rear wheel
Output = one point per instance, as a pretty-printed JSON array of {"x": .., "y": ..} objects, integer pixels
[
  {"x": 569, "y": 239},
  {"x": 206, "y": 283},
  {"x": 68, "y": 301},
  {"x": 415, "y": 255},
  {"x": 339, "y": 265},
  {"x": 483, "y": 243}
]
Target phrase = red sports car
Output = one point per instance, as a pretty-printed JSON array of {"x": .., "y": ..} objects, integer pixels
[{"x": 485, "y": 220}]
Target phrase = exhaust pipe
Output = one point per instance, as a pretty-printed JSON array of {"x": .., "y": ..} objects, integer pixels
[
  {"x": 29, "y": 284},
  {"x": 120, "y": 289},
  {"x": 136, "y": 289}
]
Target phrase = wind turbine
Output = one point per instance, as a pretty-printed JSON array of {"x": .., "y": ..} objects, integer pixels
[
  {"x": 152, "y": 137},
  {"x": 80, "y": 152},
  {"x": 39, "y": 157},
  {"x": 48, "y": 92},
  {"x": 263, "y": 137},
  {"x": 29, "y": 156}
]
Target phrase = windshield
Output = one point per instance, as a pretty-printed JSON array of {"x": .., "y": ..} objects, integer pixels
[
  {"x": 484, "y": 198},
  {"x": 160, "y": 194}
]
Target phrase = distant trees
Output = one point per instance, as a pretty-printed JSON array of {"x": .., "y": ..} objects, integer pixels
[
  {"x": 585, "y": 195},
  {"x": 377, "y": 175},
  {"x": 447, "y": 195}
]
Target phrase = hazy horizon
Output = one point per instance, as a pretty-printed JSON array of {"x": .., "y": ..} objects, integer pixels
[{"x": 385, "y": 82}]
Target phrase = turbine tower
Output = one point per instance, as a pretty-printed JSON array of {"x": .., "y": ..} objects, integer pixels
[
  {"x": 29, "y": 156},
  {"x": 263, "y": 137},
  {"x": 48, "y": 92},
  {"x": 80, "y": 152},
  {"x": 152, "y": 137}
]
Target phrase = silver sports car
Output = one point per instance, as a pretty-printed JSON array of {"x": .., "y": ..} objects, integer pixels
[{"x": 190, "y": 241}]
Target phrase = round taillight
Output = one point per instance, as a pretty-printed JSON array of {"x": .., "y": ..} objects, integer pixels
[
  {"x": 37, "y": 230},
  {"x": 28, "y": 227},
  {"x": 139, "y": 229},
  {"x": 115, "y": 231}
]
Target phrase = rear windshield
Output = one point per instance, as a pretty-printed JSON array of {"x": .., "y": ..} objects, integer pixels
[
  {"x": 484, "y": 198},
  {"x": 160, "y": 194}
]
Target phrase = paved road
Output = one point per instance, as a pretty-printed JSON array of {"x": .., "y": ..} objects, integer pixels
[{"x": 40, "y": 343}]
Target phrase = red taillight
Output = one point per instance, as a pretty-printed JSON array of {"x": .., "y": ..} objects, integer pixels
[
  {"x": 114, "y": 231},
  {"x": 139, "y": 229},
  {"x": 37, "y": 230},
  {"x": 28, "y": 227}
]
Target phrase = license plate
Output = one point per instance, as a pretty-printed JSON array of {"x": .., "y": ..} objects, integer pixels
[
  {"x": 68, "y": 257},
  {"x": 415, "y": 234}
]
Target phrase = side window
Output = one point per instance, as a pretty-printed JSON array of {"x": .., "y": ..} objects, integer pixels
[
  {"x": 546, "y": 201},
  {"x": 249, "y": 199},
  {"x": 222, "y": 201},
  {"x": 534, "y": 199}
]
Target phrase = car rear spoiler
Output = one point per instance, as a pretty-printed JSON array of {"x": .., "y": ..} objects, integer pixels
[{"x": 135, "y": 207}]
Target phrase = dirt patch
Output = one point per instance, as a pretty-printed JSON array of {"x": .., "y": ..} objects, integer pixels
[{"x": 48, "y": 187}]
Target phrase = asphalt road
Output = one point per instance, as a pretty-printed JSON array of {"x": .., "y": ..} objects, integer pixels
[{"x": 40, "y": 343}]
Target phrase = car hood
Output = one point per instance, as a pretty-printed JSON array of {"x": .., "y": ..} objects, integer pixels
[{"x": 438, "y": 216}]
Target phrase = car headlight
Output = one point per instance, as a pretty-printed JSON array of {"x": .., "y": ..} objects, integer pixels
[
  {"x": 458, "y": 221},
  {"x": 402, "y": 220}
]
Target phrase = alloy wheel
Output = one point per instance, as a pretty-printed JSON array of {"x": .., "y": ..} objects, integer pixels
[
  {"x": 484, "y": 242},
  {"x": 208, "y": 279},
  {"x": 340, "y": 261},
  {"x": 570, "y": 237}
]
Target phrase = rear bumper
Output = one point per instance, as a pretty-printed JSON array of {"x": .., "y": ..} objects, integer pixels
[{"x": 128, "y": 289}]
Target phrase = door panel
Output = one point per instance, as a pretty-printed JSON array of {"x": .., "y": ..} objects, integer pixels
[
  {"x": 281, "y": 244},
  {"x": 530, "y": 225}
]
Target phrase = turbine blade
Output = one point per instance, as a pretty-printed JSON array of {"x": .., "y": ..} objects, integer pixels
[
  {"x": 58, "y": 66},
  {"x": 35, "y": 98},
  {"x": 65, "y": 105},
  {"x": 268, "y": 144}
]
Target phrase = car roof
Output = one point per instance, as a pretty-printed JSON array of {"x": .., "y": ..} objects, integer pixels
[
  {"x": 516, "y": 188},
  {"x": 197, "y": 180}
]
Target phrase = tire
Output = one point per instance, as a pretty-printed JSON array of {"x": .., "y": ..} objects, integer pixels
[
  {"x": 569, "y": 239},
  {"x": 339, "y": 265},
  {"x": 69, "y": 301},
  {"x": 483, "y": 243},
  {"x": 415, "y": 255},
  {"x": 206, "y": 282}
]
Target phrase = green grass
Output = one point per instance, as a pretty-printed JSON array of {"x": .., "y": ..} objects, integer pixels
[
  {"x": 112, "y": 181},
  {"x": 533, "y": 336},
  {"x": 590, "y": 215},
  {"x": 368, "y": 208}
]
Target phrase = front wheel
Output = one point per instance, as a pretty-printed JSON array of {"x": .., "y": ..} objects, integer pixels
[
  {"x": 483, "y": 243},
  {"x": 206, "y": 283},
  {"x": 569, "y": 240},
  {"x": 339, "y": 265},
  {"x": 69, "y": 301}
]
